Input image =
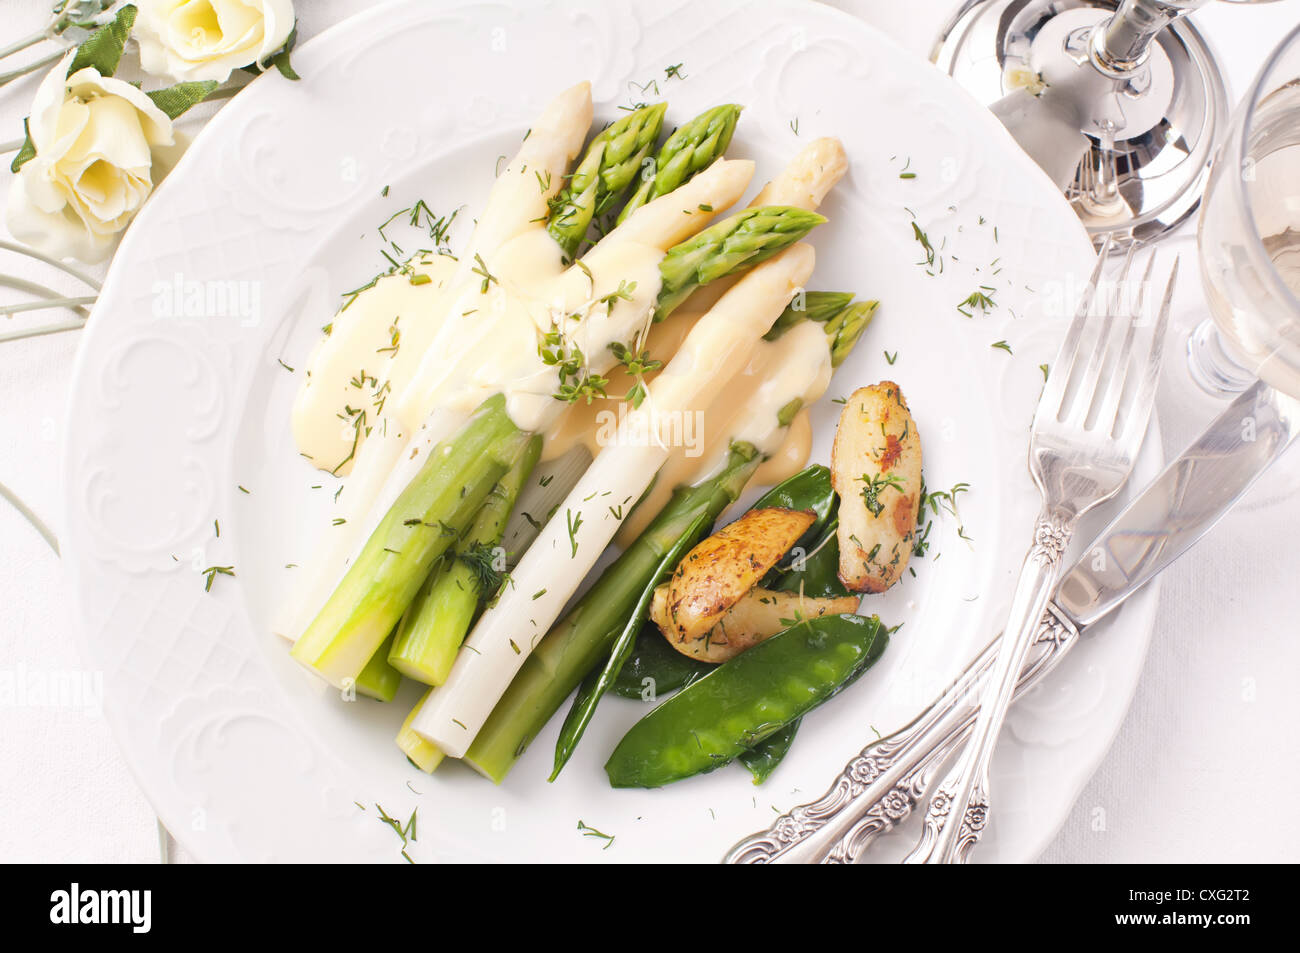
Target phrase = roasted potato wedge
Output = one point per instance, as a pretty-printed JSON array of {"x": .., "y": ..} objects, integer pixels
[
  {"x": 759, "y": 615},
  {"x": 718, "y": 572},
  {"x": 876, "y": 470}
]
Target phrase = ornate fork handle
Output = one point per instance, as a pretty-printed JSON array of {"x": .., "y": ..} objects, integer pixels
[
  {"x": 879, "y": 788},
  {"x": 958, "y": 809}
]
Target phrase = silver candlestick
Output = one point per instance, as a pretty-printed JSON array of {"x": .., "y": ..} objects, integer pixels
[{"x": 1121, "y": 106}]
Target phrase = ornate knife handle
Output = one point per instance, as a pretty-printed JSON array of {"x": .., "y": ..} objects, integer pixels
[{"x": 879, "y": 788}]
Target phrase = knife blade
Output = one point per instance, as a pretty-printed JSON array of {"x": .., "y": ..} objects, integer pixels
[{"x": 1180, "y": 505}]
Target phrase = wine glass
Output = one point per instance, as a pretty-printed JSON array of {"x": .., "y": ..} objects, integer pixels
[{"x": 1249, "y": 240}]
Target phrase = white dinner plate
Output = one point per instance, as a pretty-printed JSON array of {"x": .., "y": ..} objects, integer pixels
[{"x": 176, "y": 406}]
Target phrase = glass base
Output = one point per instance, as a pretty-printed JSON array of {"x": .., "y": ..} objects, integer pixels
[{"x": 1213, "y": 366}]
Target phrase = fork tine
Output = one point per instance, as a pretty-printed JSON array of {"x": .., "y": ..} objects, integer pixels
[
  {"x": 1090, "y": 382},
  {"x": 1059, "y": 375},
  {"x": 1140, "y": 406},
  {"x": 1109, "y": 401}
]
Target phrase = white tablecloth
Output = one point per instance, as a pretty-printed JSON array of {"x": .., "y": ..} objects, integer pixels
[{"x": 1192, "y": 774}]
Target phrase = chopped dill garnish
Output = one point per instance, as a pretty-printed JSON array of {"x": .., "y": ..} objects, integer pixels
[
  {"x": 874, "y": 486},
  {"x": 406, "y": 833},
  {"x": 981, "y": 298},
  {"x": 637, "y": 364},
  {"x": 482, "y": 560},
  {"x": 481, "y": 269},
  {"x": 924, "y": 240},
  {"x": 624, "y": 293},
  {"x": 588, "y": 831},
  {"x": 574, "y": 522},
  {"x": 213, "y": 571}
]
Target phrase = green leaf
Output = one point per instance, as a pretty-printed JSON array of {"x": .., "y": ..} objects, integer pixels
[
  {"x": 281, "y": 59},
  {"x": 103, "y": 48},
  {"x": 28, "y": 151},
  {"x": 175, "y": 100},
  {"x": 278, "y": 59}
]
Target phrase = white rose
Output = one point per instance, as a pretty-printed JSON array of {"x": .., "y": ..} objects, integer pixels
[
  {"x": 208, "y": 39},
  {"x": 101, "y": 145}
]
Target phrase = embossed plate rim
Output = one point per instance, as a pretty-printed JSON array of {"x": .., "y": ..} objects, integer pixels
[{"x": 160, "y": 733}]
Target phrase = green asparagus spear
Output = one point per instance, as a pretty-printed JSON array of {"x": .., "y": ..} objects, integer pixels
[
  {"x": 379, "y": 680},
  {"x": 844, "y": 320},
  {"x": 819, "y": 306},
  {"x": 609, "y": 166},
  {"x": 733, "y": 245},
  {"x": 582, "y": 638},
  {"x": 433, "y": 628},
  {"x": 427, "y": 519},
  {"x": 843, "y": 330},
  {"x": 596, "y": 684},
  {"x": 423, "y": 754},
  {"x": 691, "y": 149}
]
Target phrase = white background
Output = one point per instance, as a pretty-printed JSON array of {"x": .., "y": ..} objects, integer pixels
[{"x": 1195, "y": 771}]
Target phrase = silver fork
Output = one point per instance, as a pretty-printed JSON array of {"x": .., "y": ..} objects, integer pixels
[{"x": 1086, "y": 434}]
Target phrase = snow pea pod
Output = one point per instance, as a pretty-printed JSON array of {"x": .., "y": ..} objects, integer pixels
[
  {"x": 656, "y": 668},
  {"x": 745, "y": 700},
  {"x": 815, "y": 573},
  {"x": 809, "y": 489},
  {"x": 762, "y": 759},
  {"x": 817, "y": 576}
]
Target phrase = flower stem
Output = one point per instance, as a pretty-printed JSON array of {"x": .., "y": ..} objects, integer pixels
[
  {"x": 32, "y": 67},
  {"x": 28, "y": 514},
  {"x": 55, "y": 328},
  {"x": 25, "y": 42},
  {"x": 12, "y": 309},
  {"x": 52, "y": 262}
]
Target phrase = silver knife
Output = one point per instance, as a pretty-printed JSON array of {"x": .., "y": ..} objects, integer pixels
[{"x": 878, "y": 788}]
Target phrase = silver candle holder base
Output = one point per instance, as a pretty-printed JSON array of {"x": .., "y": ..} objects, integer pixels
[{"x": 1121, "y": 106}]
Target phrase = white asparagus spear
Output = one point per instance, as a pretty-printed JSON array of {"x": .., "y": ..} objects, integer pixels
[
  {"x": 514, "y": 203},
  {"x": 659, "y": 225},
  {"x": 386, "y": 468},
  {"x": 804, "y": 183},
  {"x": 569, "y": 545}
]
